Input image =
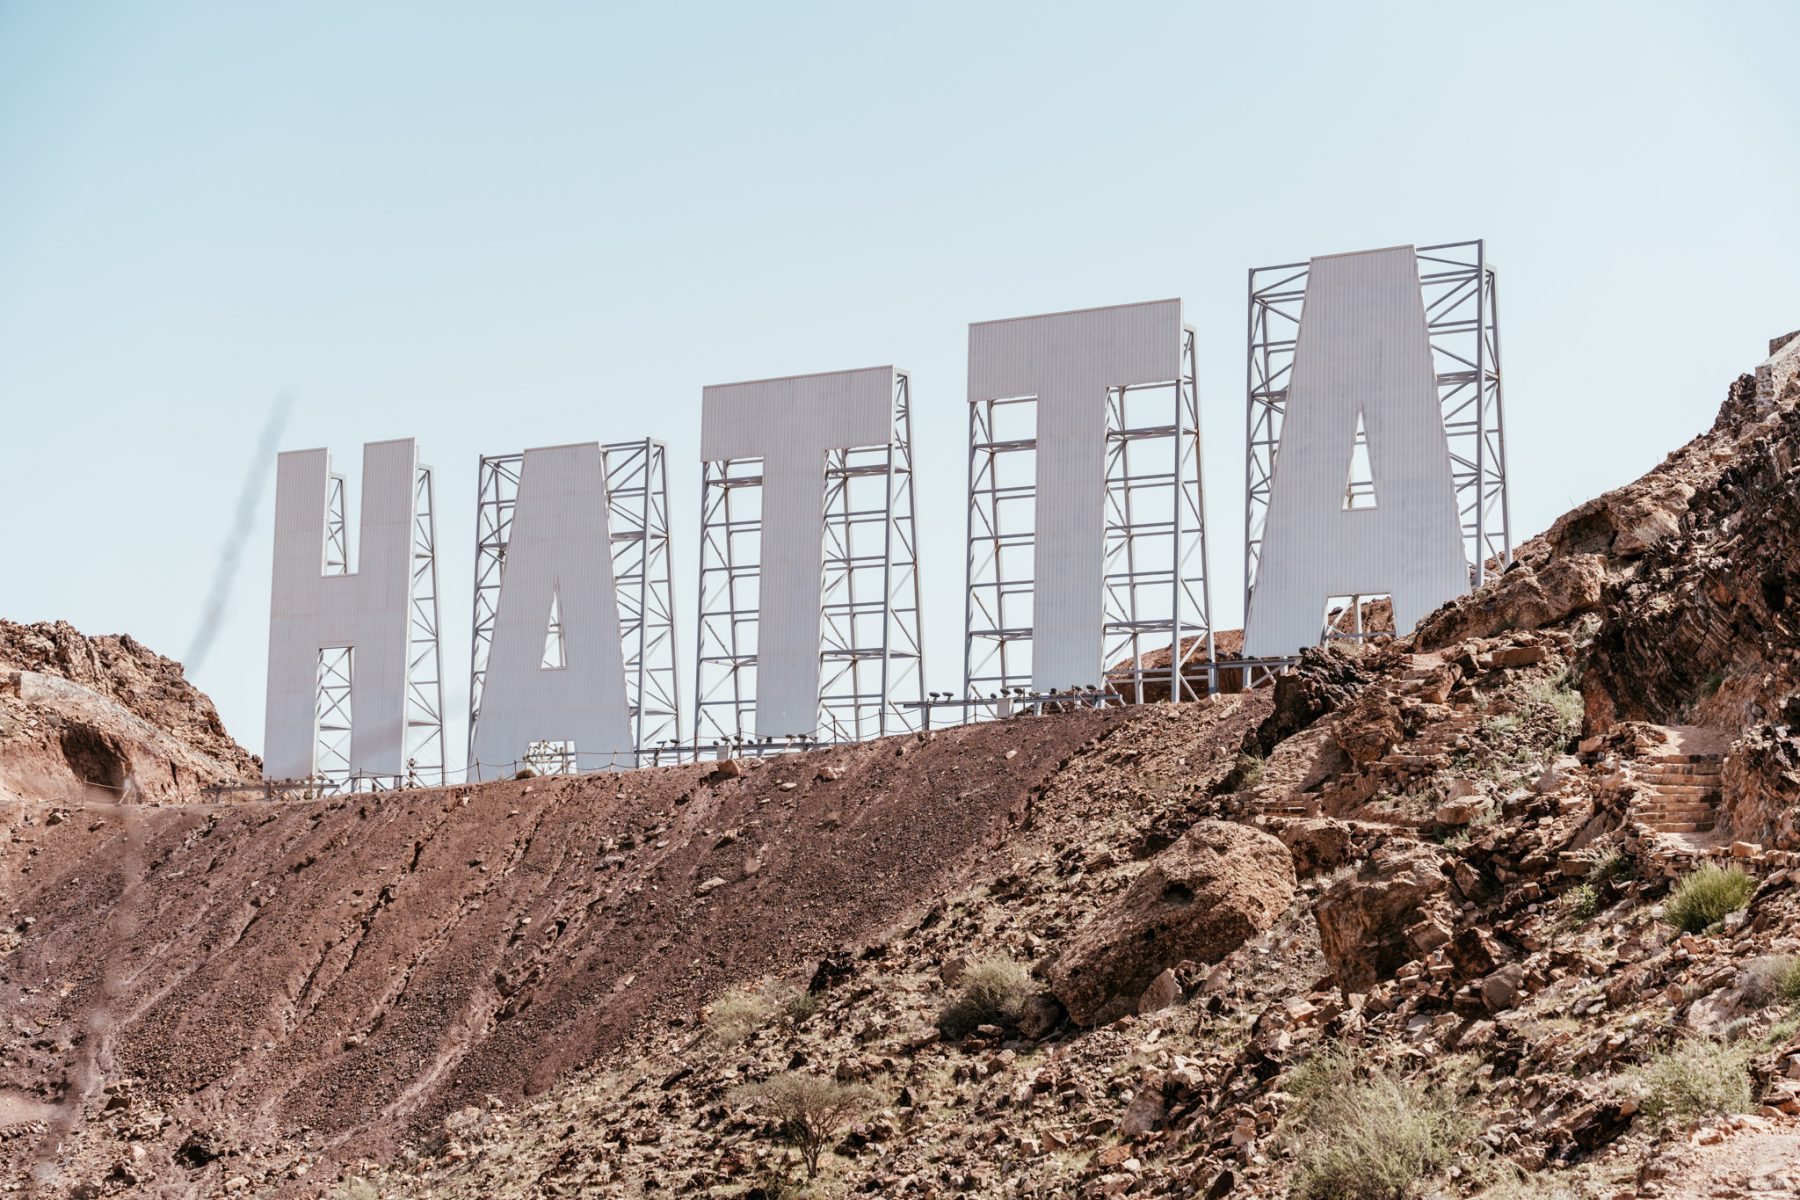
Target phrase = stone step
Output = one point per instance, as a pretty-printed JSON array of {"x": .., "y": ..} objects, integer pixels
[
  {"x": 1681, "y": 826},
  {"x": 1671, "y": 759},
  {"x": 1679, "y": 771},
  {"x": 1685, "y": 793},
  {"x": 1678, "y": 812},
  {"x": 1415, "y": 760}
]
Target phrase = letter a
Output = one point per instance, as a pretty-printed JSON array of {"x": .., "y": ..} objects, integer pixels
[
  {"x": 558, "y": 568},
  {"x": 1363, "y": 353}
]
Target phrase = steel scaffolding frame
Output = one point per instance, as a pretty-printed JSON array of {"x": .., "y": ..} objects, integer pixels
[
  {"x": 637, "y": 506},
  {"x": 871, "y": 679},
  {"x": 331, "y": 730},
  {"x": 424, "y": 719},
  {"x": 1156, "y": 592},
  {"x": 1463, "y": 320},
  {"x": 424, "y": 655}
]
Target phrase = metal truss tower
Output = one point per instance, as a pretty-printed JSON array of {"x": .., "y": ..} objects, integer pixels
[
  {"x": 1463, "y": 321},
  {"x": 1157, "y": 600},
  {"x": 637, "y": 503},
  {"x": 871, "y": 681},
  {"x": 424, "y": 657},
  {"x": 424, "y": 663}
]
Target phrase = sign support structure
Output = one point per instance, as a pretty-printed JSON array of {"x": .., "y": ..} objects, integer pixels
[
  {"x": 1461, "y": 304},
  {"x": 1156, "y": 640},
  {"x": 424, "y": 719},
  {"x": 871, "y": 681},
  {"x": 637, "y": 498}
]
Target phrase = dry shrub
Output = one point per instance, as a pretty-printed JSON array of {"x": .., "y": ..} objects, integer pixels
[
  {"x": 736, "y": 1015},
  {"x": 994, "y": 991},
  {"x": 1704, "y": 897},
  {"x": 810, "y": 1110},
  {"x": 1772, "y": 979},
  {"x": 1694, "y": 1079},
  {"x": 1372, "y": 1138}
]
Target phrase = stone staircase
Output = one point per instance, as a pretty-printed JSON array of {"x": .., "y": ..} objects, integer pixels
[
  {"x": 1681, "y": 784},
  {"x": 1683, "y": 793}
]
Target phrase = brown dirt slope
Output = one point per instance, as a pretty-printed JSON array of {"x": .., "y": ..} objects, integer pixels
[{"x": 356, "y": 967}]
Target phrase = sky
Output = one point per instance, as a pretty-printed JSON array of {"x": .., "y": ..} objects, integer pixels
[{"x": 498, "y": 226}]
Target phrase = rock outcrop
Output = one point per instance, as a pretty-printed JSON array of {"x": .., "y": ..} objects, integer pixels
[
  {"x": 1391, "y": 911},
  {"x": 105, "y": 718},
  {"x": 1197, "y": 901}
]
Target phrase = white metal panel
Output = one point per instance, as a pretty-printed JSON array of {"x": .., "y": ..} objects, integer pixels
[
  {"x": 1068, "y": 361},
  {"x": 1363, "y": 348},
  {"x": 561, "y": 547},
  {"x": 790, "y": 424},
  {"x": 367, "y": 610}
]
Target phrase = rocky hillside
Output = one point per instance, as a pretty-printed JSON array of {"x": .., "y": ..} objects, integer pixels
[
  {"x": 1507, "y": 907},
  {"x": 104, "y": 718}
]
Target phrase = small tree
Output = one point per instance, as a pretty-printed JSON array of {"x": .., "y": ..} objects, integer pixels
[{"x": 810, "y": 1109}]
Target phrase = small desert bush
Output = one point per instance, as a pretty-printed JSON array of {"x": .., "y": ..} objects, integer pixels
[
  {"x": 1694, "y": 1079},
  {"x": 1372, "y": 1138},
  {"x": 1498, "y": 729},
  {"x": 797, "y": 1006},
  {"x": 1610, "y": 870},
  {"x": 1705, "y": 896},
  {"x": 1580, "y": 904},
  {"x": 810, "y": 1110},
  {"x": 1561, "y": 701},
  {"x": 1772, "y": 979},
  {"x": 736, "y": 1015},
  {"x": 1250, "y": 770},
  {"x": 993, "y": 991}
]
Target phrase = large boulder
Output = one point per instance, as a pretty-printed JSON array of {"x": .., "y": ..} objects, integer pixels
[
  {"x": 1384, "y": 915},
  {"x": 1200, "y": 899}
]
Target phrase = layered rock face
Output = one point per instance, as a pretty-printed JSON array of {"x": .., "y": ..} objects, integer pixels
[
  {"x": 1686, "y": 581},
  {"x": 105, "y": 717},
  {"x": 1197, "y": 901}
]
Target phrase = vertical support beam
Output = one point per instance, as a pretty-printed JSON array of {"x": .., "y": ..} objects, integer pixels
[{"x": 424, "y": 667}]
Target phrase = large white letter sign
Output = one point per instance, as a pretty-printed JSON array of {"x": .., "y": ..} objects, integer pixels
[
  {"x": 310, "y": 612},
  {"x": 1069, "y": 361},
  {"x": 558, "y": 560},
  {"x": 790, "y": 424},
  {"x": 1363, "y": 354}
]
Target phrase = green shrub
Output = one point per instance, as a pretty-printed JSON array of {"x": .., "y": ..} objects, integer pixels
[
  {"x": 1611, "y": 869},
  {"x": 809, "y": 1110},
  {"x": 994, "y": 990},
  {"x": 797, "y": 1006},
  {"x": 1558, "y": 698},
  {"x": 1694, "y": 1079},
  {"x": 1704, "y": 897},
  {"x": 1582, "y": 903},
  {"x": 736, "y": 1015},
  {"x": 1772, "y": 979},
  {"x": 1368, "y": 1139},
  {"x": 1250, "y": 770}
]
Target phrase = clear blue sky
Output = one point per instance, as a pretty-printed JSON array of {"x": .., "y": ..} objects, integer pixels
[{"x": 494, "y": 226}]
